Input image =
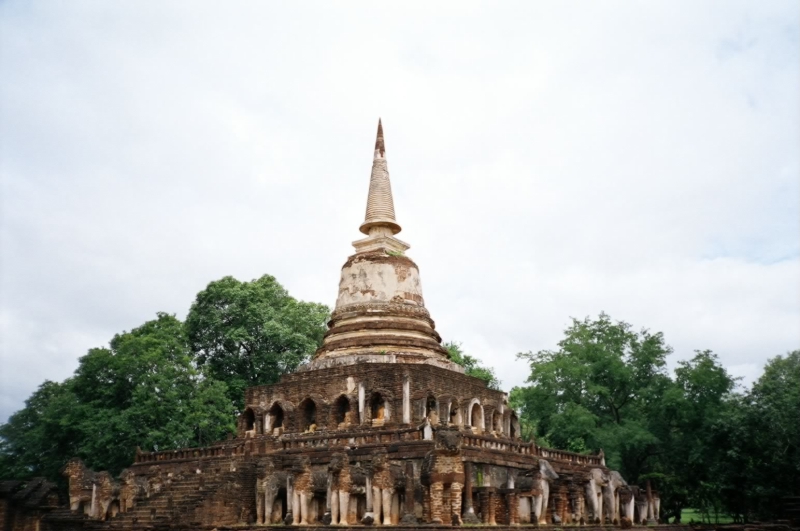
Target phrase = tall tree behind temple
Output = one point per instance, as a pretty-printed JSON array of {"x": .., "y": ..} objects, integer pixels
[
  {"x": 772, "y": 444},
  {"x": 597, "y": 390},
  {"x": 38, "y": 439},
  {"x": 144, "y": 390},
  {"x": 472, "y": 365},
  {"x": 607, "y": 387},
  {"x": 251, "y": 333}
]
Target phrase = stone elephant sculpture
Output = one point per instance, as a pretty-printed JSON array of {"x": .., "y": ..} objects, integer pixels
[
  {"x": 270, "y": 479},
  {"x": 596, "y": 480},
  {"x": 341, "y": 483},
  {"x": 541, "y": 481},
  {"x": 442, "y": 475},
  {"x": 611, "y": 496}
]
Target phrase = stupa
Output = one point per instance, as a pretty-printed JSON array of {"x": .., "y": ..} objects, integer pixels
[
  {"x": 380, "y": 315},
  {"x": 379, "y": 428}
]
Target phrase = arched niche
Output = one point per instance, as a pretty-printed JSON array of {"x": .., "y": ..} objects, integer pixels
[
  {"x": 514, "y": 428},
  {"x": 432, "y": 409},
  {"x": 307, "y": 414},
  {"x": 378, "y": 409},
  {"x": 341, "y": 412},
  {"x": 274, "y": 418},
  {"x": 497, "y": 422},
  {"x": 249, "y": 420},
  {"x": 475, "y": 416}
]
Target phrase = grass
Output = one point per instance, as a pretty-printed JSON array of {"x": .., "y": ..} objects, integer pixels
[{"x": 688, "y": 515}]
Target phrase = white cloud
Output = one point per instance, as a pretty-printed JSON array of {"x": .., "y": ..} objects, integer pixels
[{"x": 549, "y": 160}]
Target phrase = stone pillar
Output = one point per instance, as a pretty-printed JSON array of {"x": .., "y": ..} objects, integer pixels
[
  {"x": 559, "y": 508},
  {"x": 93, "y": 507},
  {"x": 363, "y": 418},
  {"x": 327, "y": 518},
  {"x": 492, "y": 507},
  {"x": 487, "y": 497},
  {"x": 409, "y": 518},
  {"x": 469, "y": 511},
  {"x": 483, "y": 496},
  {"x": 406, "y": 400}
]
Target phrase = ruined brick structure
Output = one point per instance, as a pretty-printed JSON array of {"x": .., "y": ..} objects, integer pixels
[{"x": 380, "y": 428}]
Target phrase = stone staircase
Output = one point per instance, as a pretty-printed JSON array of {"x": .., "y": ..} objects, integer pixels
[{"x": 175, "y": 503}]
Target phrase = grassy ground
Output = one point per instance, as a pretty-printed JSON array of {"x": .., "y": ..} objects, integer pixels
[{"x": 687, "y": 515}]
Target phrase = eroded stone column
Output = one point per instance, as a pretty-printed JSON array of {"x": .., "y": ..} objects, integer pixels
[
  {"x": 329, "y": 503},
  {"x": 406, "y": 401},
  {"x": 363, "y": 418},
  {"x": 492, "y": 507}
]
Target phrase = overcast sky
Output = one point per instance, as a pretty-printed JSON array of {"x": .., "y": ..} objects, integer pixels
[{"x": 549, "y": 160}]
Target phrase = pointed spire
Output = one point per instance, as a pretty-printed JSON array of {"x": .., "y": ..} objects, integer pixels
[
  {"x": 380, "y": 147},
  {"x": 380, "y": 205}
]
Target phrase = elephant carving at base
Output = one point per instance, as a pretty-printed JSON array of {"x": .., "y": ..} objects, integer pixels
[
  {"x": 269, "y": 510},
  {"x": 626, "y": 503},
  {"x": 596, "y": 480},
  {"x": 640, "y": 504},
  {"x": 302, "y": 490},
  {"x": 541, "y": 482},
  {"x": 383, "y": 489},
  {"x": 611, "y": 507},
  {"x": 341, "y": 484},
  {"x": 442, "y": 475}
]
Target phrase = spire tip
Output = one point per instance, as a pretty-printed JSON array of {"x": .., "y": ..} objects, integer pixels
[{"x": 380, "y": 147}]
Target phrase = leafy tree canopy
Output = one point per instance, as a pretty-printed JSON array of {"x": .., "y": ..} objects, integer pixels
[
  {"x": 607, "y": 387},
  {"x": 144, "y": 390},
  {"x": 596, "y": 390},
  {"x": 472, "y": 366},
  {"x": 251, "y": 333}
]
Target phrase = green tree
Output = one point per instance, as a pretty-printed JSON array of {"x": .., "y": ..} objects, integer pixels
[
  {"x": 756, "y": 441},
  {"x": 472, "y": 366},
  {"x": 36, "y": 439},
  {"x": 251, "y": 333},
  {"x": 144, "y": 390},
  {"x": 597, "y": 390},
  {"x": 772, "y": 416},
  {"x": 683, "y": 423}
]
